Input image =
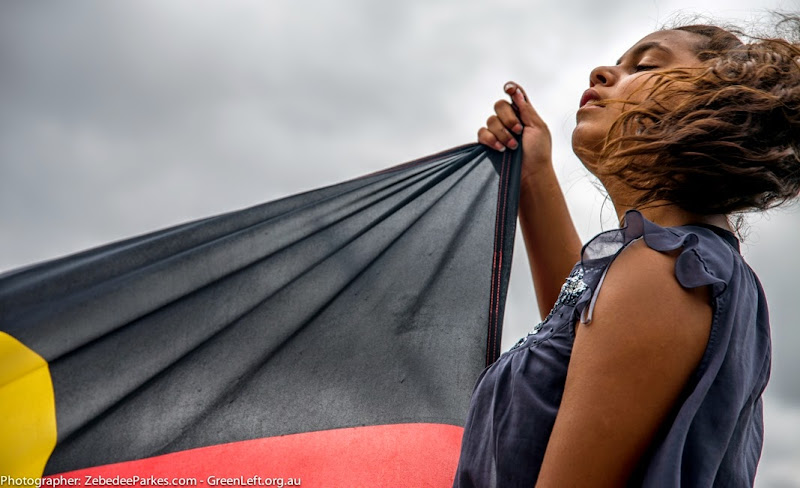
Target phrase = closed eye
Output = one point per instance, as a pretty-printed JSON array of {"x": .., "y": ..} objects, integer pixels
[{"x": 644, "y": 67}]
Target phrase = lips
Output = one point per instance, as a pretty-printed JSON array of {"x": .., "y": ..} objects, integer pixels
[{"x": 588, "y": 96}]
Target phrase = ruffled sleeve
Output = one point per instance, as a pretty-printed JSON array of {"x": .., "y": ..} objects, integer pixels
[{"x": 705, "y": 259}]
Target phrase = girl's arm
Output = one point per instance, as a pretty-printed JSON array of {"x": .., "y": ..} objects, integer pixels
[
  {"x": 551, "y": 240},
  {"x": 550, "y": 237}
]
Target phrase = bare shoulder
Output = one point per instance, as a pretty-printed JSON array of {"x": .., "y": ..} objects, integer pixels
[{"x": 641, "y": 288}]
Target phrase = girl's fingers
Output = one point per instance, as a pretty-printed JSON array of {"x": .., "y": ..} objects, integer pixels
[
  {"x": 508, "y": 116},
  {"x": 527, "y": 114},
  {"x": 487, "y": 138},
  {"x": 501, "y": 132}
]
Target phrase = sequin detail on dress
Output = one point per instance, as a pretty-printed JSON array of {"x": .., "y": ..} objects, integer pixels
[{"x": 571, "y": 290}]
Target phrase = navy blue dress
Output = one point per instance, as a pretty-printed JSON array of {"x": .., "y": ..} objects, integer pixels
[{"x": 714, "y": 434}]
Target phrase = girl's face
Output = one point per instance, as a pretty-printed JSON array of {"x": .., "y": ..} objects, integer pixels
[{"x": 627, "y": 80}]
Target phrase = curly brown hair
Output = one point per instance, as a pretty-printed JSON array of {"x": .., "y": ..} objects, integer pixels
[{"x": 732, "y": 143}]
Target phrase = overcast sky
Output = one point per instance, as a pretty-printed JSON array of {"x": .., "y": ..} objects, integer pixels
[{"x": 117, "y": 118}]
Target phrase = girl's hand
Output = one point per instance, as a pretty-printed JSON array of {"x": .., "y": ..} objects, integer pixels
[{"x": 518, "y": 117}]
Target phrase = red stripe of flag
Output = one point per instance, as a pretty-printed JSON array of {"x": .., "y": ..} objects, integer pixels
[{"x": 396, "y": 455}]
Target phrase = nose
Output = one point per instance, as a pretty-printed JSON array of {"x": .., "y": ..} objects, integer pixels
[{"x": 602, "y": 75}]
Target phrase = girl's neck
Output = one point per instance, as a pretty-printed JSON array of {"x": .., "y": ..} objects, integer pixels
[{"x": 667, "y": 214}]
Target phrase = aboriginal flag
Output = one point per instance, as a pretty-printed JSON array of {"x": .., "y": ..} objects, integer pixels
[{"x": 331, "y": 338}]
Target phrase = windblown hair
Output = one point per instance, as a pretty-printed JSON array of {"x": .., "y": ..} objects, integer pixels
[{"x": 719, "y": 139}]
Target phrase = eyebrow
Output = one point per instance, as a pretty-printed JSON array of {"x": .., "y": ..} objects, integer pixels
[{"x": 641, "y": 48}]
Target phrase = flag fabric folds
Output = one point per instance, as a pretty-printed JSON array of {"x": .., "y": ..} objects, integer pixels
[{"x": 332, "y": 336}]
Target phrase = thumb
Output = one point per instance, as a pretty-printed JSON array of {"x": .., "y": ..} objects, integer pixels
[{"x": 527, "y": 114}]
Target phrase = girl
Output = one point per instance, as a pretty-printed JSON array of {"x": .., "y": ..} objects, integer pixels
[{"x": 649, "y": 368}]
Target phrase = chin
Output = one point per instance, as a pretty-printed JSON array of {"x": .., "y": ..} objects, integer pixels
[{"x": 587, "y": 146}]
